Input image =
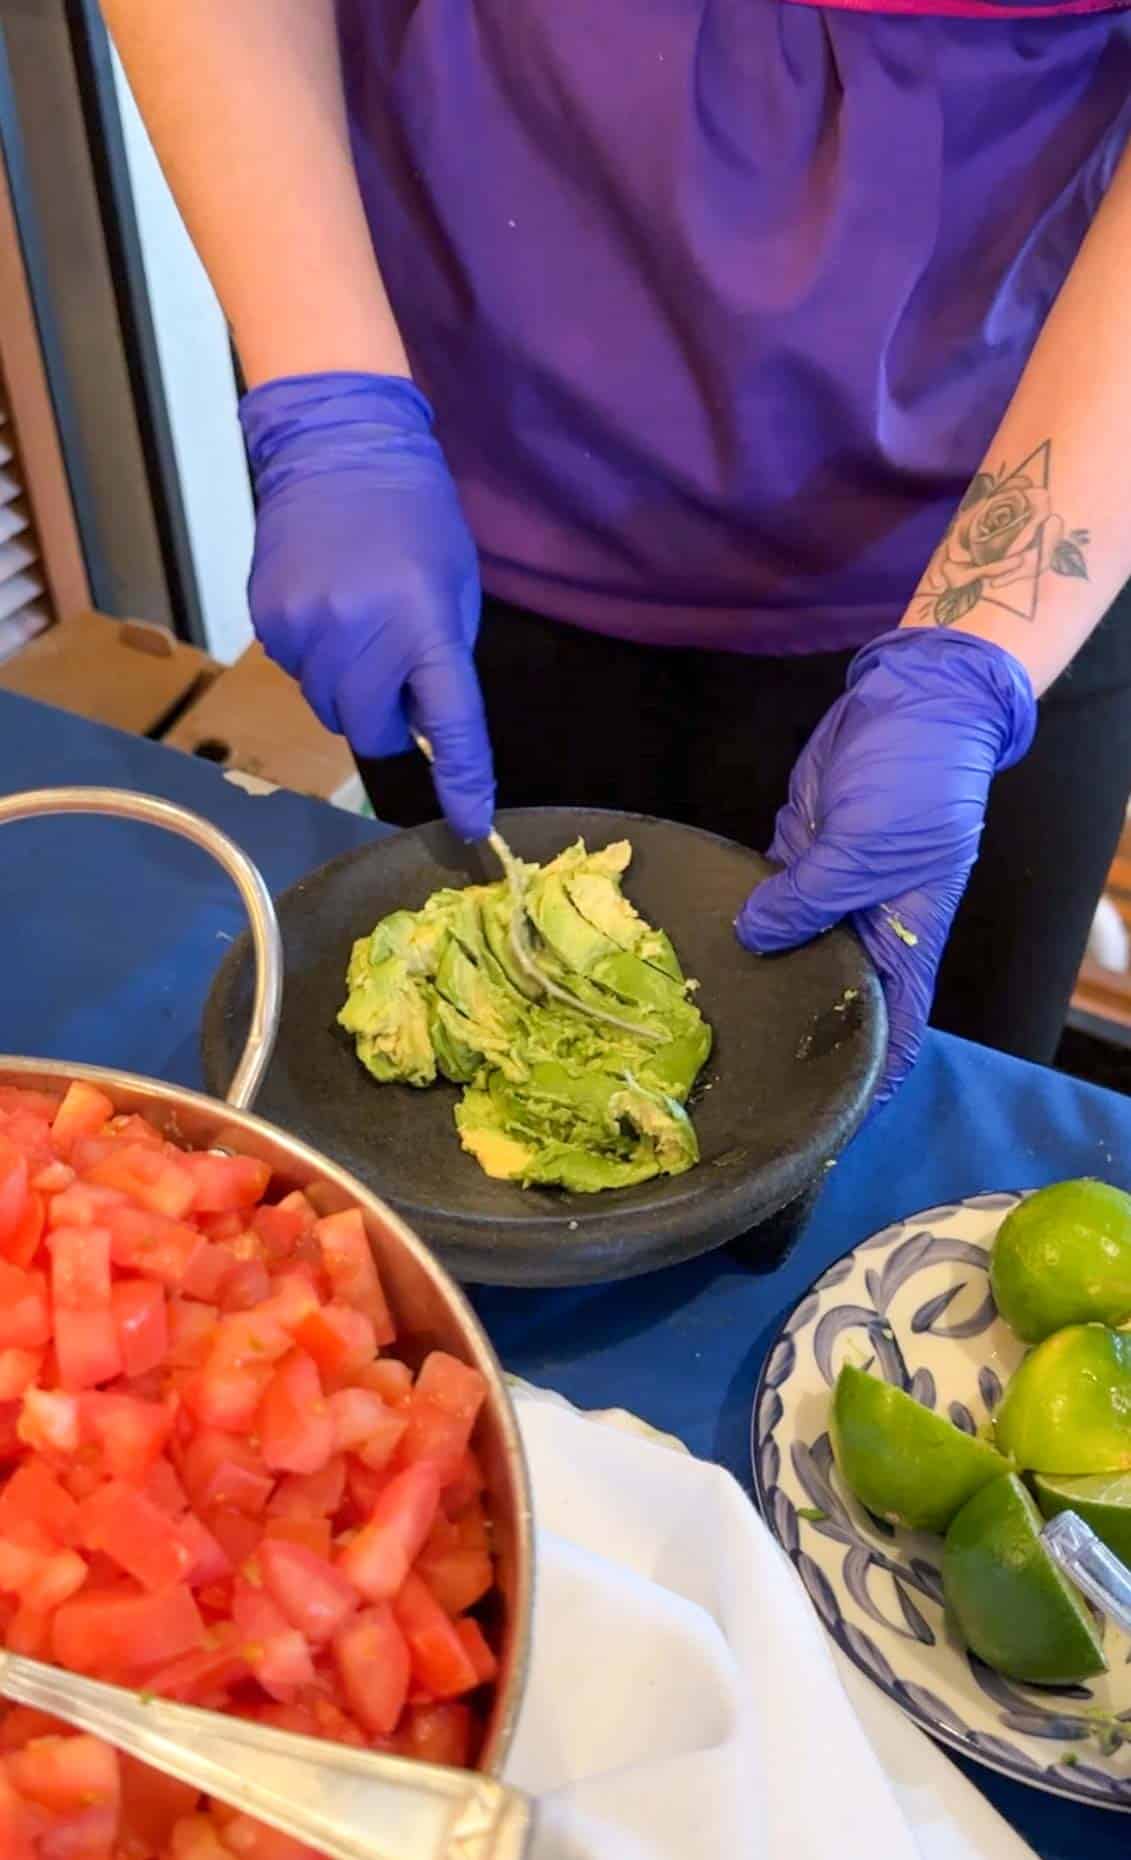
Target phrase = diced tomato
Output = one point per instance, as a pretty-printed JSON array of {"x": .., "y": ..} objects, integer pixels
[
  {"x": 83, "y": 1471},
  {"x": 246, "y": 1286},
  {"x": 132, "y": 1127},
  {"x": 80, "y": 1204},
  {"x": 80, "y": 1268},
  {"x": 145, "y": 1241},
  {"x": 313, "y": 1495},
  {"x": 258, "y": 1507},
  {"x": 315, "y": 1597},
  {"x": 248, "y": 1339},
  {"x": 25, "y": 1313},
  {"x": 28, "y": 1099},
  {"x": 294, "y": 1298},
  {"x": 61, "y": 1574},
  {"x": 347, "y": 1255},
  {"x": 89, "y": 1835},
  {"x": 142, "y": 1539},
  {"x": 15, "y": 1823},
  {"x": 474, "y": 1643},
  {"x": 365, "y": 1487},
  {"x": 442, "y": 1538},
  {"x": 21, "y": 1243},
  {"x": 467, "y": 1485},
  {"x": 298, "y": 1203},
  {"x": 18, "y": 1370},
  {"x": 332, "y": 1722},
  {"x": 296, "y": 1432},
  {"x": 152, "y": 1802},
  {"x": 83, "y": 1113},
  {"x": 451, "y": 1385},
  {"x": 67, "y": 1773},
  {"x": 384, "y": 1550},
  {"x": 195, "y": 1838},
  {"x": 19, "y": 1724},
  {"x": 165, "y": 1489},
  {"x": 86, "y": 1345},
  {"x": 126, "y": 1632},
  {"x": 53, "y": 1179},
  {"x": 275, "y": 1651},
  {"x": 149, "y": 1176},
  {"x": 221, "y": 1470},
  {"x": 10, "y": 1442},
  {"x": 341, "y": 1341},
  {"x": 227, "y": 1398},
  {"x": 143, "y": 1331},
  {"x": 374, "y": 1666},
  {"x": 49, "y": 1421},
  {"x": 237, "y": 1534},
  {"x": 205, "y": 1673},
  {"x": 220, "y": 1227},
  {"x": 131, "y": 1433},
  {"x": 252, "y": 1840},
  {"x": 471, "y": 1528},
  {"x": 210, "y": 1561},
  {"x": 192, "y": 1329},
  {"x": 389, "y": 1379},
  {"x": 435, "y": 1436},
  {"x": 208, "y": 1273},
  {"x": 365, "y": 1426},
  {"x": 13, "y": 1189},
  {"x": 34, "y": 1496},
  {"x": 29, "y": 1633},
  {"x": 440, "y": 1662},
  {"x": 281, "y": 1229},
  {"x": 438, "y": 1734},
  {"x": 313, "y": 1533},
  {"x": 225, "y": 1184},
  {"x": 457, "y": 1578},
  {"x": 86, "y": 1337}
]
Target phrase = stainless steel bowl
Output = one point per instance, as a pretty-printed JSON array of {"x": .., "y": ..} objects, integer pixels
[{"x": 430, "y": 1310}]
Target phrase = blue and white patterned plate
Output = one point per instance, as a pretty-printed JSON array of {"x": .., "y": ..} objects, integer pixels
[{"x": 913, "y": 1304}]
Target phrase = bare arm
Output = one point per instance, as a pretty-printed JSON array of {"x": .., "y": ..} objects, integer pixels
[
  {"x": 243, "y": 100},
  {"x": 1041, "y": 544}
]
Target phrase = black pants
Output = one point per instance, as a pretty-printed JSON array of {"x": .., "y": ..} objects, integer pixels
[{"x": 710, "y": 738}]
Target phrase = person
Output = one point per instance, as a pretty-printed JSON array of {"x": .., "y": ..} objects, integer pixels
[{"x": 769, "y": 364}]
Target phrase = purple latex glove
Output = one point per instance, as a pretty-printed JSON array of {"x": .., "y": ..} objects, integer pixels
[
  {"x": 885, "y": 813},
  {"x": 365, "y": 583}
]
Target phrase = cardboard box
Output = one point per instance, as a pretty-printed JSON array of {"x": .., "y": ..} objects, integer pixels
[
  {"x": 253, "y": 720},
  {"x": 122, "y": 672}
]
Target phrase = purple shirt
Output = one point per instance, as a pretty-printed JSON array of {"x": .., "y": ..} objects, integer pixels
[{"x": 720, "y": 301}]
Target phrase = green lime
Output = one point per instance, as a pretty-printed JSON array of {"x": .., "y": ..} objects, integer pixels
[
  {"x": 1007, "y": 1597},
  {"x": 905, "y": 1463},
  {"x": 1063, "y": 1256},
  {"x": 1103, "y": 1500},
  {"x": 1068, "y": 1407}
]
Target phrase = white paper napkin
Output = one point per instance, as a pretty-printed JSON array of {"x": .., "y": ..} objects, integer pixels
[{"x": 683, "y": 1701}]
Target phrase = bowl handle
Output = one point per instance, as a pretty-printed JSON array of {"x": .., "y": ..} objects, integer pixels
[{"x": 121, "y": 804}]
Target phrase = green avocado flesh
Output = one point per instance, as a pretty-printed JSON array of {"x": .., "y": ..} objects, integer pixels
[{"x": 550, "y": 1096}]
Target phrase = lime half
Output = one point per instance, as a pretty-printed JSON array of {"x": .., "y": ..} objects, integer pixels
[
  {"x": 1008, "y": 1599},
  {"x": 1063, "y": 1256},
  {"x": 1103, "y": 1500},
  {"x": 1068, "y": 1407},
  {"x": 904, "y": 1462}
]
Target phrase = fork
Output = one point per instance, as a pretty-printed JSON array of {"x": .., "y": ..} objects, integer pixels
[{"x": 519, "y": 936}]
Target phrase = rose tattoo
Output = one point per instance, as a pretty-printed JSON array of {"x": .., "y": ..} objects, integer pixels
[{"x": 1002, "y": 539}]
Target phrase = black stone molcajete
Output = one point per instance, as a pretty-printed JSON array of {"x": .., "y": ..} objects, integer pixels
[{"x": 799, "y": 1044}]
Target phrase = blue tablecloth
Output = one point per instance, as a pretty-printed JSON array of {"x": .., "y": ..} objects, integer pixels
[{"x": 109, "y": 935}]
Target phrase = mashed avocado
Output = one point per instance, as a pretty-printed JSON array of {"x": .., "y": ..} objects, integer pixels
[{"x": 550, "y": 1096}]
